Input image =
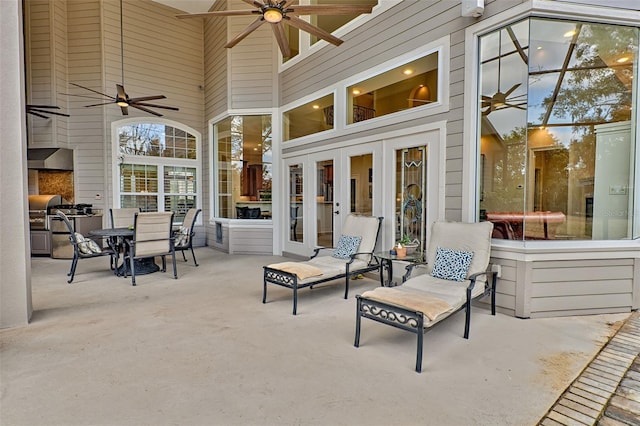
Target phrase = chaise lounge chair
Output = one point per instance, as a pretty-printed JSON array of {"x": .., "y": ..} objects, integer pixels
[
  {"x": 352, "y": 256},
  {"x": 457, "y": 262}
]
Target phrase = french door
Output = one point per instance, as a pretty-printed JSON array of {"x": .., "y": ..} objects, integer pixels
[{"x": 324, "y": 187}]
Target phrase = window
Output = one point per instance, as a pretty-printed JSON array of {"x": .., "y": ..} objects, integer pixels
[
  {"x": 556, "y": 147},
  {"x": 158, "y": 168},
  {"x": 411, "y": 85},
  {"x": 313, "y": 117},
  {"x": 301, "y": 40},
  {"x": 244, "y": 155}
]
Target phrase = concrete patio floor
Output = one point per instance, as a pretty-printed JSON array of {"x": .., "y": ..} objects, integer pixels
[{"x": 204, "y": 350}]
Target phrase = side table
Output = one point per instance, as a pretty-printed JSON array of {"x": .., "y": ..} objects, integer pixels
[{"x": 386, "y": 264}]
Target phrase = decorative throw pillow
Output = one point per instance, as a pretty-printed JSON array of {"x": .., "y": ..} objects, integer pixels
[
  {"x": 82, "y": 243},
  {"x": 182, "y": 237},
  {"x": 347, "y": 245},
  {"x": 93, "y": 246},
  {"x": 451, "y": 264}
]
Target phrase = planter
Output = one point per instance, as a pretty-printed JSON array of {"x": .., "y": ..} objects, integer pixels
[
  {"x": 401, "y": 252},
  {"x": 412, "y": 247}
]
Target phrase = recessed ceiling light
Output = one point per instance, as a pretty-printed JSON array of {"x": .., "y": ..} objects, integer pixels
[
  {"x": 356, "y": 92},
  {"x": 316, "y": 107},
  {"x": 539, "y": 47},
  {"x": 622, "y": 59},
  {"x": 408, "y": 71},
  {"x": 570, "y": 33}
]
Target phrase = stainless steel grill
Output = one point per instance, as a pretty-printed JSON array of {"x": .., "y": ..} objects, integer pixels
[{"x": 39, "y": 207}]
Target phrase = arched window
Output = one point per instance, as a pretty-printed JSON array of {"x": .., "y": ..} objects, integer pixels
[{"x": 159, "y": 166}]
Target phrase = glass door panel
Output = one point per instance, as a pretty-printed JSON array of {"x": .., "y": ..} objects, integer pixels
[
  {"x": 411, "y": 181},
  {"x": 324, "y": 203},
  {"x": 361, "y": 184},
  {"x": 296, "y": 199}
]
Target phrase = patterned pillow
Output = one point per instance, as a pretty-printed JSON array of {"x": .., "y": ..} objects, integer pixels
[
  {"x": 182, "y": 237},
  {"x": 82, "y": 243},
  {"x": 347, "y": 245},
  {"x": 451, "y": 264},
  {"x": 92, "y": 245}
]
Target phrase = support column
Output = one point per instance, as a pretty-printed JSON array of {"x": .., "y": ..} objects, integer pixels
[{"x": 15, "y": 258}]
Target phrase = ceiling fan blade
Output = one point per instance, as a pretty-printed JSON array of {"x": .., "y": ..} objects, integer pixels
[
  {"x": 281, "y": 38},
  {"x": 37, "y": 114},
  {"x": 251, "y": 28},
  {"x": 157, "y": 114},
  {"x": 218, "y": 13},
  {"x": 43, "y": 106},
  {"x": 49, "y": 112},
  {"x": 486, "y": 98},
  {"x": 154, "y": 106},
  {"x": 254, "y": 3},
  {"x": 105, "y": 97},
  {"x": 514, "y": 87},
  {"x": 105, "y": 103},
  {"x": 91, "y": 90},
  {"x": 147, "y": 98},
  {"x": 305, "y": 26},
  {"x": 518, "y": 106},
  {"x": 125, "y": 110},
  {"x": 330, "y": 9},
  {"x": 121, "y": 93}
]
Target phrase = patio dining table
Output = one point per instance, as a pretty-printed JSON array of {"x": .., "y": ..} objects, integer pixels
[{"x": 112, "y": 236}]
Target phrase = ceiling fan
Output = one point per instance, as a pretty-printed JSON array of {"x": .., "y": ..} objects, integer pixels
[
  {"x": 501, "y": 100},
  {"x": 277, "y": 12},
  {"x": 41, "y": 110},
  {"x": 121, "y": 98}
]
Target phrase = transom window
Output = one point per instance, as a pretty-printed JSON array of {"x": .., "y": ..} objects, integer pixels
[
  {"x": 411, "y": 85},
  {"x": 158, "y": 168},
  {"x": 312, "y": 117}
]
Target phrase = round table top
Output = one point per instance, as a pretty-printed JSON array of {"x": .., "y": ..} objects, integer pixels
[{"x": 112, "y": 232}]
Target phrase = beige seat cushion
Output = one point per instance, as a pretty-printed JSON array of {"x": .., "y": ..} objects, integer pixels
[
  {"x": 431, "y": 306},
  {"x": 301, "y": 269}
]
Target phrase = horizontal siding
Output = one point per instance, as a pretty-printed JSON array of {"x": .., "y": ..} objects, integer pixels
[
  {"x": 568, "y": 287},
  {"x": 248, "y": 240}
]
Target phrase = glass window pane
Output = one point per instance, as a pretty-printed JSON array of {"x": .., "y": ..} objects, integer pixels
[
  {"x": 244, "y": 170},
  {"x": 330, "y": 23},
  {"x": 408, "y": 86},
  {"x": 313, "y": 117},
  {"x": 557, "y": 159},
  {"x": 155, "y": 140}
]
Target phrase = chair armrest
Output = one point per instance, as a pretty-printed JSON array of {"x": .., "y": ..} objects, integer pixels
[
  {"x": 490, "y": 278},
  {"x": 316, "y": 251},
  {"x": 410, "y": 267}
]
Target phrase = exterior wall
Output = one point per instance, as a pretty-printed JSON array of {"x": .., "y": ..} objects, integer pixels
[
  {"x": 399, "y": 30},
  {"x": 566, "y": 281},
  {"x": 251, "y": 66}
]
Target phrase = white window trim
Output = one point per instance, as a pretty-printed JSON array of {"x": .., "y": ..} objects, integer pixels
[
  {"x": 340, "y": 126},
  {"x": 117, "y": 159},
  {"x": 536, "y": 8},
  {"x": 306, "y": 49}
]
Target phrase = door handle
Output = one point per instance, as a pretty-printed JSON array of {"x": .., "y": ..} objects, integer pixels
[{"x": 336, "y": 212}]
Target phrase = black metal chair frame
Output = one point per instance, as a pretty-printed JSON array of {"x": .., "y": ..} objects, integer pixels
[
  {"x": 189, "y": 245},
  {"x": 131, "y": 252},
  {"x": 289, "y": 280},
  {"x": 413, "y": 321},
  {"x": 78, "y": 254}
]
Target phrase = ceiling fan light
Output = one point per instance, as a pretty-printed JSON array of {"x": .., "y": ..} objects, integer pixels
[
  {"x": 272, "y": 15},
  {"x": 122, "y": 103}
]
